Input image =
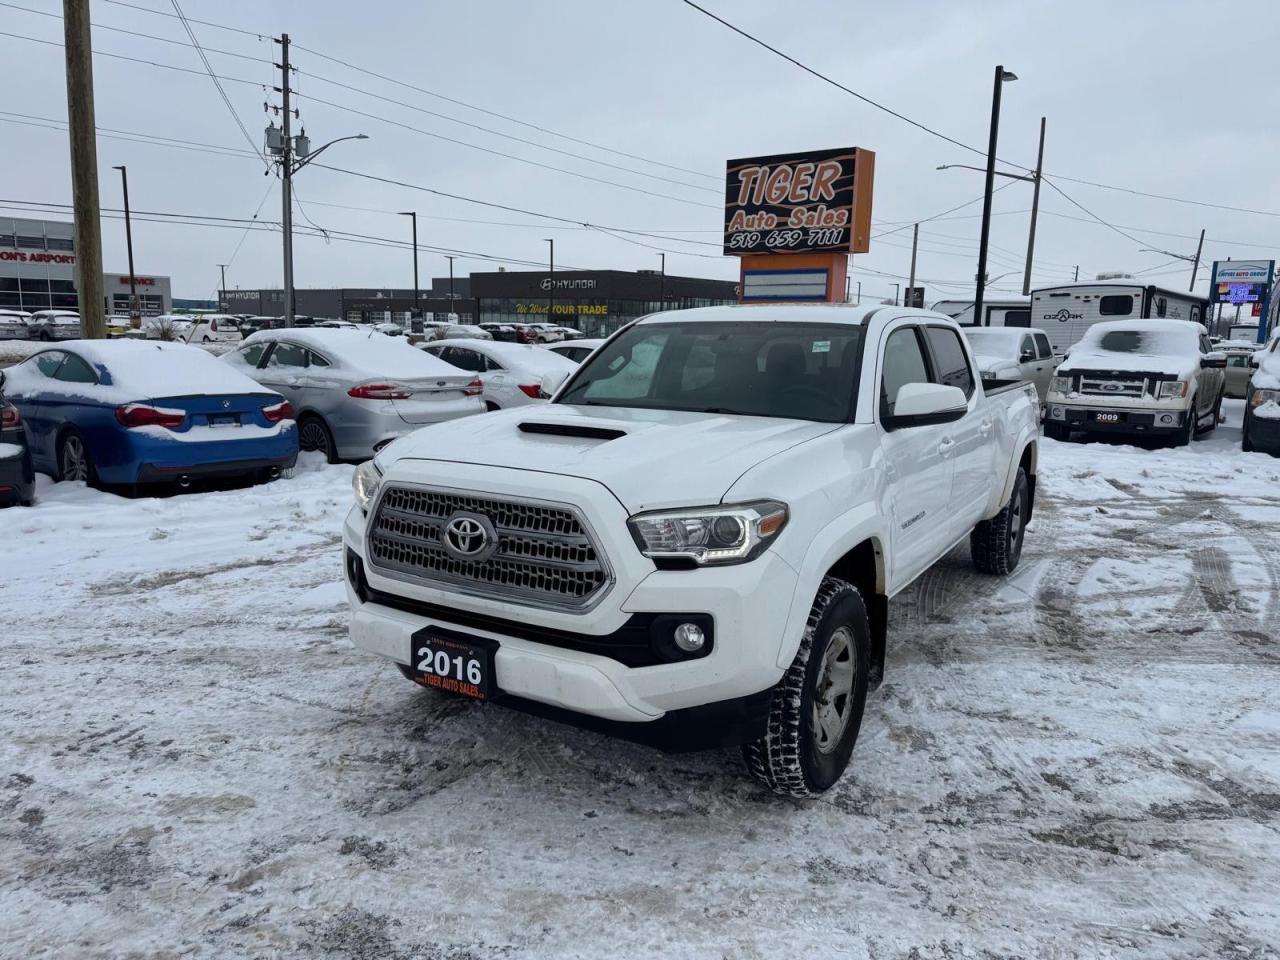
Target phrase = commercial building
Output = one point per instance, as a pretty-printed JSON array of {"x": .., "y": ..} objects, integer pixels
[
  {"x": 38, "y": 272},
  {"x": 597, "y": 302}
]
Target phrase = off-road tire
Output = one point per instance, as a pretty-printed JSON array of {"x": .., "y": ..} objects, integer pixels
[
  {"x": 1213, "y": 424},
  {"x": 787, "y": 759},
  {"x": 1057, "y": 431},
  {"x": 1186, "y": 432},
  {"x": 309, "y": 427},
  {"x": 996, "y": 544}
]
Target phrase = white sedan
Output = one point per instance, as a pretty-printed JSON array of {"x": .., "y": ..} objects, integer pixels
[
  {"x": 575, "y": 350},
  {"x": 511, "y": 372}
]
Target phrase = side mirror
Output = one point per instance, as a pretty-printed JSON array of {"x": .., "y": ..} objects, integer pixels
[
  {"x": 551, "y": 382},
  {"x": 1213, "y": 361},
  {"x": 1253, "y": 362},
  {"x": 921, "y": 404}
]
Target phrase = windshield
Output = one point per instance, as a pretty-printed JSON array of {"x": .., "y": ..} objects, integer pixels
[
  {"x": 994, "y": 343},
  {"x": 801, "y": 371},
  {"x": 1152, "y": 343}
]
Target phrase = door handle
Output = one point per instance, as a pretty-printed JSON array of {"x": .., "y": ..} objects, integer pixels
[
  {"x": 985, "y": 427},
  {"x": 945, "y": 446}
]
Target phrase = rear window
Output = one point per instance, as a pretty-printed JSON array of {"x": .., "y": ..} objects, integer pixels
[{"x": 1116, "y": 305}]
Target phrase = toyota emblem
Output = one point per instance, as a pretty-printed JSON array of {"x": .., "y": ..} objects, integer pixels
[{"x": 469, "y": 536}]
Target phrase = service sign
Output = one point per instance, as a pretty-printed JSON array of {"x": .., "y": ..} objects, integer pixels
[{"x": 818, "y": 201}]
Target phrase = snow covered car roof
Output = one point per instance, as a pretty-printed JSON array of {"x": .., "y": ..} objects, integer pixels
[
  {"x": 1171, "y": 346},
  {"x": 527, "y": 356},
  {"x": 361, "y": 350},
  {"x": 143, "y": 370},
  {"x": 782, "y": 312}
]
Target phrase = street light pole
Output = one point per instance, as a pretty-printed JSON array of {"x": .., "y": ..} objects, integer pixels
[
  {"x": 451, "y": 294},
  {"x": 417, "y": 307},
  {"x": 1195, "y": 264},
  {"x": 1035, "y": 212},
  {"x": 911, "y": 283},
  {"x": 135, "y": 315},
  {"x": 222, "y": 267},
  {"x": 551, "y": 282},
  {"x": 1002, "y": 76},
  {"x": 662, "y": 283}
]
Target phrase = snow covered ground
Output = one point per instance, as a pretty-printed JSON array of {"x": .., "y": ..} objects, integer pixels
[{"x": 1080, "y": 761}]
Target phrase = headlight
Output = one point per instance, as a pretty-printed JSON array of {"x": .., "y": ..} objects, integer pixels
[
  {"x": 1172, "y": 388},
  {"x": 1259, "y": 397},
  {"x": 1060, "y": 385},
  {"x": 709, "y": 535},
  {"x": 365, "y": 482}
]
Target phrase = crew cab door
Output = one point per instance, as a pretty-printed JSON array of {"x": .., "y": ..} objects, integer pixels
[
  {"x": 971, "y": 449},
  {"x": 918, "y": 464},
  {"x": 1212, "y": 380}
]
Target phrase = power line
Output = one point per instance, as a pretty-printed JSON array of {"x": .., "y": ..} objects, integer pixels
[
  {"x": 1081, "y": 206},
  {"x": 436, "y": 95}
]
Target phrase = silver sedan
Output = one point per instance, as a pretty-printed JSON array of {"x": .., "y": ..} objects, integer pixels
[{"x": 355, "y": 392}]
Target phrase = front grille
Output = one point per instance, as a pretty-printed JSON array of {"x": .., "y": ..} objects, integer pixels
[
  {"x": 544, "y": 555},
  {"x": 1113, "y": 387}
]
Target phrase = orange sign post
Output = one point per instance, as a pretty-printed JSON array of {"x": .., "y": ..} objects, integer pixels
[{"x": 792, "y": 220}]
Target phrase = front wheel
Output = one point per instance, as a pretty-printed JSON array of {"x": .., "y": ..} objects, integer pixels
[
  {"x": 816, "y": 708},
  {"x": 1187, "y": 431},
  {"x": 996, "y": 544}
]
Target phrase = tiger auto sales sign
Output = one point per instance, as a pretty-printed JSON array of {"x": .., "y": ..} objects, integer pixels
[{"x": 818, "y": 201}]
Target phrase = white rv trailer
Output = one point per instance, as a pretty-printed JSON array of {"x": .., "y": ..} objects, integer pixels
[
  {"x": 1002, "y": 312},
  {"x": 1066, "y": 312}
]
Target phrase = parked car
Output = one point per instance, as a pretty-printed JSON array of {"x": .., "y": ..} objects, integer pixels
[
  {"x": 511, "y": 372},
  {"x": 464, "y": 331},
  {"x": 17, "y": 474},
  {"x": 575, "y": 350},
  {"x": 120, "y": 325},
  {"x": 135, "y": 411},
  {"x": 337, "y": 325},
  {"x": 545, "y": 332},
  {"x": 251, "y": 325},
  {"x": 13, "y": 325},
  {"x": 1239, "y": 368},
  {"x": 50, "y": 325},
  {"x": 571, "y": 333},
  {"x": 525, "y": 333},
  {"x": 505, "y": 332},
  {"x": 1013, "y": 353},
  {"x": 1138, "y": 377},
  {"x": 210, "y": 328},
  {"x": 390, "y": 329},
  {"x": 1262, "y": 408},
  {"x": 822, "y": 458},
  {"x": 355, "y": 392}
]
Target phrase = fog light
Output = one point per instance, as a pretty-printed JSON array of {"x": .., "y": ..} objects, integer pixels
[
  {"x": 1057, "y": 413},
  {"x": 689, "y": 637},
  {"x": 1166, "y": 418}
]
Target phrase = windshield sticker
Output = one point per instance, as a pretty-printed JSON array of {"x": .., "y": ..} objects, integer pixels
[{"x": 822, "y": 346}]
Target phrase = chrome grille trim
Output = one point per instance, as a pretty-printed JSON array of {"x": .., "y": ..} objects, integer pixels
[
  {"x": 547, "y": 556},
  {"x": 1113, "y": 386}
]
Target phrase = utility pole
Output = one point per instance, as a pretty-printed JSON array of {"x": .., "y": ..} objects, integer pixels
[
  {"x": 551, "y": 282},
  {"x": 82, "y": 132},
  {"x": 222, "y": 298},
  {"x": 911, "y": 283},
  {"x": 1195, "y": 264},
  {"x": 286, "y": 180},
  {"x": 897, "y": 287},
  {"x": 1035, "y": 211},
  {"x": 859, "y": 291},
  {"x": 662, "y": 284},
  {"x": 1076, "y": 278},
  {"x": 451, "y": 294},
  {"x": 135, "y": 315},
  {"x": 417, "y": 299},
  {"x": 1002, "y": 75}
]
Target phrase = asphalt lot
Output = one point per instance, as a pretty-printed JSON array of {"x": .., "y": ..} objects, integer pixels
[{"x": 1080, "y": 761}]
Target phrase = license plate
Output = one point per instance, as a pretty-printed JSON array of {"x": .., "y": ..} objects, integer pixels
[
  {"x": 224, "y": 419},
  {"x": 454, "y": 662},
  {"x": 1107, "y": 417}
]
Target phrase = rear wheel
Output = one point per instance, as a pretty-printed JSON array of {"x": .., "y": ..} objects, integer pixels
[
  {"x": 817, "y": 706},
  {"x": 996, "y": 544},
  {"x": 74, "y": 462},
  {"x": 314, "y": 434}
]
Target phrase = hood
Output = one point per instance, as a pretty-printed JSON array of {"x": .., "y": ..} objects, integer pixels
[
  {"x": 1182, "y": 366},
  {"x": 649, "y": 459}
]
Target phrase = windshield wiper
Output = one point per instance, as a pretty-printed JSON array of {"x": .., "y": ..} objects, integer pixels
[{"x": 725, "y": 410}]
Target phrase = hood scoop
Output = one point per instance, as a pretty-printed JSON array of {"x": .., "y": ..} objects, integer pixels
[{"x": 579, "y": 431}]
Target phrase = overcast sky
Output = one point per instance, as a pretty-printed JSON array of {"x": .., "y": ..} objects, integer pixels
[{"x": 1160, "y": 96}]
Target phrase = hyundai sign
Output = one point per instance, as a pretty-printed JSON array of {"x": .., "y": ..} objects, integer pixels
[{"x": 818, "y": 201}]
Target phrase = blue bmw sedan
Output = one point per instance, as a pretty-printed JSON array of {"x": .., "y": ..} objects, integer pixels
[{"x": 135, "y": 411}]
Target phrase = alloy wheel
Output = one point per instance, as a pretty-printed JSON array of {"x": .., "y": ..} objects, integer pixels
[
  {"x": 75, "y": 461},
  {"x": 833, "y": 698},
  {"x": 312, "y": 435}
]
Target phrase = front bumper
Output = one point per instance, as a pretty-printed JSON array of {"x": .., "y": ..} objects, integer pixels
[
  {"x": 1133, "y": 420},
  {"x": 1263, "y": 433},
  {"x": 17, "y": 478},
  {"x": 599, "y": 667}
]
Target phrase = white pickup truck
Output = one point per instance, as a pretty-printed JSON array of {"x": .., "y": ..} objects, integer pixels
[{"x": 694, "y": 544}]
